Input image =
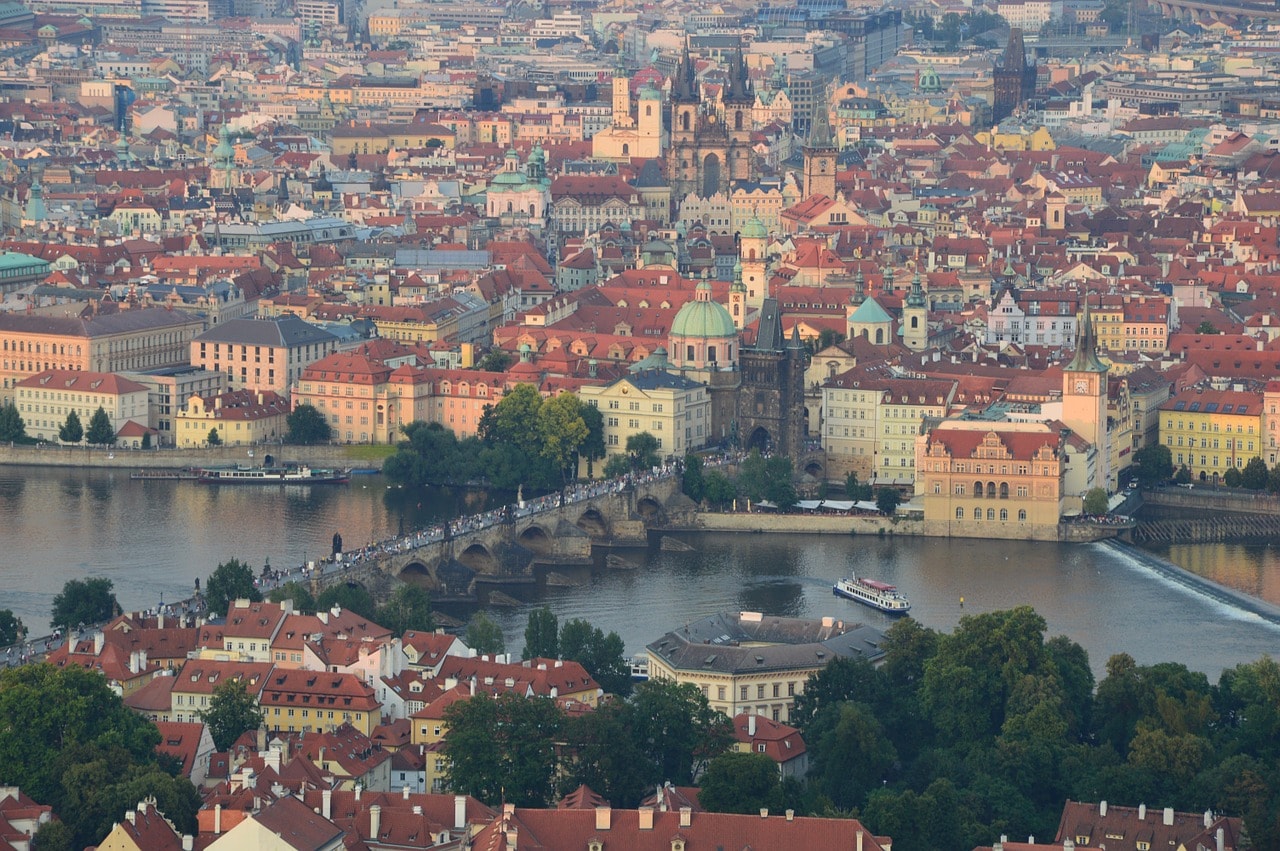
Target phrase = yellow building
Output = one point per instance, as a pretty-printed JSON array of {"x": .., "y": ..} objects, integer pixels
[
  {"x": 1035, "y": 140},
  {"x": 755, "y": 663},
  {"x": 1210, "y": 431},
  {"x": 262, "y": 354},
  {"x": 45, "y": 400},
  {"x": 316, "y": 701},
  {"x": 635, "y": 132},
  {"x": 367, "y": 137},
  {"x": 992, "y": 480},
  {"x": 674, "y": 409},
  {"x": 116, "y": 342},
  {"x": 870, "y": 426},
  {"x": 241, "y": 417}
]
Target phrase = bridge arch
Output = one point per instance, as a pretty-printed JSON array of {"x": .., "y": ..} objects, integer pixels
[
  {"x": 650, "y": 510},
  {"x": 416, "y": 573},
  {"x": 759, "y": 439},
  {"x": 593, "y": 523},
  {"x": 815, "y": 469},
  {"x": 535, "y": 538},
  {"x": 478, "y": 558}
]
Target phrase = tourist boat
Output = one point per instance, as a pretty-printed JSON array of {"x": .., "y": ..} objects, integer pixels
[
  {"x": 869, "y": 592},
  {"x": 287, "y": 475}
]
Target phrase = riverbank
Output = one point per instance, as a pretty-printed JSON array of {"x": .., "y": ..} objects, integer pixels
[
  {"x": 839, "y": 524},
  {"x": 51, "y": 455}
]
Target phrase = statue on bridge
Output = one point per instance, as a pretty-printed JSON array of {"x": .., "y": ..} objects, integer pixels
[{"x": 337, "y": 544}]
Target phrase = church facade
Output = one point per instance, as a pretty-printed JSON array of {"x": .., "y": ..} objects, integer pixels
[{"x": 710, "y": 148}]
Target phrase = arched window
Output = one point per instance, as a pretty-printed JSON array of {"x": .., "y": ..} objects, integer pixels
[
  {"x": 977, "y": 489},
  {"x": 648, "y": 111},
  {"x": 879, "y": 336},
  {"x": 1004, "y": 514},
  {"x": 959, "y": 513},
  {"x": 689, "y": 355},
  {"x": 684, "y": 121},
  {"x": 977, "y": 514},
  {"x": 1022, "y": 514},
  {"x": 626, "y": 150},
  {"x": 991, "y": 489},
  {"x": 737, "y": 120},
  {"x": 915, "y": 322},
  {"x": 711, "y": 354},
  {"x": 509, "y": 207},
  {"x": 1004, "y": 490},
  {"x": 991, "y": 514},
  {"x": 937, "y": 487}
]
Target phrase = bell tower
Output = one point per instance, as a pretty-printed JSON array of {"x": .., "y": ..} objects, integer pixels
[
  {"x": 915, "y": 317},
  {"x": 1084, "y": 397},
  {"x": 820, "y": 154},
  {"x": 753, "y": 242}
]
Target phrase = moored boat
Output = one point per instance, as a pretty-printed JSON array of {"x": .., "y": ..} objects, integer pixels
[
  {"x": 870, "y": 592},
  {"x": 288, "y": 475}
]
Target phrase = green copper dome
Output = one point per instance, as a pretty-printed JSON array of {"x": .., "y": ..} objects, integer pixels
[
  {"x": 703, "y": 318},
  {"x": 754, "y": 229}
]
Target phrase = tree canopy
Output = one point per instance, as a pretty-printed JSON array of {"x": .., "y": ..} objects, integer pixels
[
  {"x": 308, "y": 426},
  {"x": 100, "y": 432},
  {"x": 230, "y": 581},
  {"x": 13, "y": 429},
  {"x": 12, "y": 630},
  {"x": 484, "y": 635},
  {"x": 84, "y": 601},
  {"x": 232, "y": 712},
  {"x": 80, "y": 750},
  {"x": 71, "y": 431}
]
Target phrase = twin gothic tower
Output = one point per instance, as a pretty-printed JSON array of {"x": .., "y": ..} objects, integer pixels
[{"x": 709, "y": 148}]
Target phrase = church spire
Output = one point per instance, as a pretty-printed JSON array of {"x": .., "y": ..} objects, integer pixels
[
  {"x": 820, "y": 129},
  {"x": 915, "y": 298},
  {"x": 1086, "y": 356}
]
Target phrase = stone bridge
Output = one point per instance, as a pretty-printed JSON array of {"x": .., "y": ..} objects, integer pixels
[
  {"x": 1202, "y": 10},
  {"x": 512, "y": 550}
]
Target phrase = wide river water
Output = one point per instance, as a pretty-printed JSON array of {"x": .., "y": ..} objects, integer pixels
[{"x": 152, "y": 539}]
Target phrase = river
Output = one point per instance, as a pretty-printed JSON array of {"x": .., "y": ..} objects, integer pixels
[{"x": 152, "y": 539}]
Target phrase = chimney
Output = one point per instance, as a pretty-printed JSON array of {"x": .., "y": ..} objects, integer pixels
[
  {"x": 99, "y": 642},
  {"x": 512, "y": 837},
  {"x": 859, "y": 840},
  {"x": 764, "y": 812},
  {"x": 1220, "y": 839},
  {"x": 188, "y": 842},
  {"x": 375, "y": 822},
  {"x": 646, "y": 818},
  {"x": 604, "y": 817},
  {"x": 686, "y": 816},
  {"x": 1142, "y": 812},
  {"x": 404, "y": 793},
  {"x": 1168, "y": 816},
  {"x": 459, "y": 811},
  {"x": 751, "y": 724},
  {"x": 791, "y": 815},
  {"x": 217, "y": 819},
  {"x": 417, "y": 809},
  {"x": 1102, "y": 809},
  {"x": 131, "y": 816},
  {"x": 357, "y": 791},
  {"x": 326, "y": 803},
  {"x": 1208, "y": 818}
]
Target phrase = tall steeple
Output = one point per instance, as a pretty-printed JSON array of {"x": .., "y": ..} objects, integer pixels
[
  {"x": 820, "y": 153},
  {"x": 684, "y": 88},
  {"x": 1086, "y": 356}
]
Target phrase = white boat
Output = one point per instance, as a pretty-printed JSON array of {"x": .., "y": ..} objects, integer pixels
[
  {"x": 288, "y": 475},
  {"x": 869, "y": 592}
]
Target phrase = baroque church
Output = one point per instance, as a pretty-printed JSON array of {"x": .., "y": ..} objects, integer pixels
[{"x": 710, "y": 149}]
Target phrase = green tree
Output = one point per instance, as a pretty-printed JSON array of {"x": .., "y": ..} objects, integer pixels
[
  {"x": 852, "y": 753},
  {"x": 740, "y": 783},
  {"x": 100, "y": 432},
  {"x": 692, "y": 482},
  {"x": 12, "y": 629},
  {"x": 495, "y": 360},
  {"x": 53, "y": 835},
  {"x": 607, "y": 757},
  {"x": 1095, "y": 502},
  {"x": 84, "y": 601},
  {"x": 1183, "y": 476},
  {"x": 1206, "y": 327},
  {"x": 1255, "y": 474},
  {"x": 677, "y": 727},
  {"x": 843, "y": 679},
  {"x": 13, "y": 429},
  {"x": 408, "y": 608},
  {"x": 146, "y": 440},
  {"x": 308, "y": 426},
  {"x": 511, "y": 432},
  {"x": 643, "y": 450},
  {"x": 300, "y": 594},
  {"x": 214, "y": 439},
  {"x": 484, "y": 635},
  {"x": 563, "y": 432},
  {"x": 1153, "y": 464},
  {"x": 617, "y": 465},
  {"x": 887, "y": 500},
  {"x": 601, "y": 655},
  {"x": 432, "y": 455},
  {"x": 542, "y": 635},
  {"x": 350, "y": 596},
  {"x": 753, "y": 476},
  {"x": 780, "y": 486},
  {"x": 592, "y": 448},
  {"x": 855, "y": 490},
  {"x": 230, "y": 581},
  {"x": 71, "y": 431},
  {"x": 503, "y": 749},
  {"x": 1232, "y": 477},
  {"x": 717, "y": 489},
  {"x": 232, "y": 712}
]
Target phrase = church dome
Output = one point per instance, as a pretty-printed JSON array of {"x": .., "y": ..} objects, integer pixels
[
  {"x": 754, "y": 229},
  {"x": 703, "y": 318}
]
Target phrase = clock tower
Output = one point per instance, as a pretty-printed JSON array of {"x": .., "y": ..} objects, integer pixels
[
  {"x": 820, "y": 154},
  {"x": 1084, "y": 397}
]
